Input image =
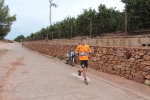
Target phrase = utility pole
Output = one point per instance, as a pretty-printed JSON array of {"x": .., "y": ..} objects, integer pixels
[
  {"x": 52, "y": 35},
  {"x": 90, "y": 27},
  {"x": 50, "y": 5},
  {"x": 70, "y": 22},
  {"x": 71, "y": 32},
  {"x": 71, "y": 29},
  {"x": 59, "y": 31},
  {"x": 59, "y": 34},
  {"x": 42, "y": 37},
  {"x": 47, "y": 37},
  {"x": 125, "y": 23}
]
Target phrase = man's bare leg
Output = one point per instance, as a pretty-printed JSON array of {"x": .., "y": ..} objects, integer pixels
[{"x": 84, "y": 72}]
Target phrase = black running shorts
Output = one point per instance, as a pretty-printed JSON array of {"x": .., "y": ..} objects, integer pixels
[{"x": 84, "y": 63}]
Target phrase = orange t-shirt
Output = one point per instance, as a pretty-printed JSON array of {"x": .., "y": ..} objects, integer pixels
[{"x": 83, "y": 49}]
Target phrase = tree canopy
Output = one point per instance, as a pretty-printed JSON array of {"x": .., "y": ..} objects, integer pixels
[
  {"x": 19, "y": 38},
  {"x": 5, "y": 20},
  {"x": 138, "y": 13},
  {"x": 103, "y": 20}
]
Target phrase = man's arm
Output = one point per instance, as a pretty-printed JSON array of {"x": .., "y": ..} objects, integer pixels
[
  {"x": 77, "y": 50},
  {"x": 89, "y": 50}
]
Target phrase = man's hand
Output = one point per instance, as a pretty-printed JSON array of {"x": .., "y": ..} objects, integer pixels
[
  {"x": 88, "y": 52},
  {"x": 77, "y": 53}
]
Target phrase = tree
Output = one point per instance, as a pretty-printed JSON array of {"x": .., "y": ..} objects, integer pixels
[
  {"x": 138, "y": 13},
  {"x": 109, "y": 19},
  {"x": 5, "y": 20},
  {"x": 89, "y": 22},
  {"x": 18, "y": 38}
]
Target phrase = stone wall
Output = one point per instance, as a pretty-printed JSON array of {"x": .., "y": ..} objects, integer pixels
[
  {"x": 131, "y": 63},
  {"x": 142, "y": 42}
]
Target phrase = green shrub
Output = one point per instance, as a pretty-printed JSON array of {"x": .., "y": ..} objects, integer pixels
[
  {"x": 61, "y": 58},
  {"x": 54, "y": 55}
]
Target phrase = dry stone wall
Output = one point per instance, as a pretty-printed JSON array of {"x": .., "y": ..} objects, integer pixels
[{"x": 131, "y": 63}]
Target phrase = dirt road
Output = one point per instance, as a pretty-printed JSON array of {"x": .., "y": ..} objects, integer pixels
[{"x": 27, "y": 75}]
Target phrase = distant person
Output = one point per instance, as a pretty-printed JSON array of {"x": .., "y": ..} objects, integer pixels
[
  {"x": 22, "y": 44},
  {"x": 83, "y": 51}
]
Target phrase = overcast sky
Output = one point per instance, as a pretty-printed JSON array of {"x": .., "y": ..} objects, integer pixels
[{"x": 33, "y": 15}]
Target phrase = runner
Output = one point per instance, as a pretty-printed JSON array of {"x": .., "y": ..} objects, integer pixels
[
  {"x": 83, "y": 51},
  {"x": 22, "y": 44}
]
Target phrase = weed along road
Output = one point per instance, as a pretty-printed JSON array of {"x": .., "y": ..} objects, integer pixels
[{"x": 28, "y": 75}]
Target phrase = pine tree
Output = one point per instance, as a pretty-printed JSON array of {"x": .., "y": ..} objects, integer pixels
[{"x": 5, "y": 20}]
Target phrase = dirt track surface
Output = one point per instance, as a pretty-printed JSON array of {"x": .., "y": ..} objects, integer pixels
[{"x": 28, "y": 75}]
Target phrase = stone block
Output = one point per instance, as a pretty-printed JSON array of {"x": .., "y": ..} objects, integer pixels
[
  {"x": 147, "y": 76},
  {"x": 137, "y": 56},
  {"x": 132, "y": 73},
  {"x": 146, "y": 63},
  {"x": 109, "y": 69},
  {"x": 147, "y": 67},
  {"x": 135, "y": 67},
  {"x": 119, "y": 53},
  {"x": 104, "y": 52},
  {"x": 139, "y": 80},
  {"x": 141, "y": 54},
  {"x": 123, "y": 68},
  {"x": 139, "y": 75},
  {"x": 123, "y": 72},
  {"x": 98, "y": 55},
  {"x": 130, "y": 76},
  {"x": 119, "y": 66},
  {"x": 142, "y": 66},
  {"x": 127, "y": 76},
  {"x": 146, "y": 58},
  {"x": 144, "y": 73},
  {"x": 114, "y": 62},
  {"x": 113, "y": 72},
  {"x": 132, "y": 59},
  {"x": 148, "y": 71},
  {"x": 116, "y": 58},
  {"x": 128, "y": 72},
  {"x": 123, "y": 64},
  {"x": 140, "y": 60},
  {"x": 115, "y": 67},
  {"x": 118, "y": 73},
  {"x": 109, "y": 52},
  {"x": 94, "y": 59}
]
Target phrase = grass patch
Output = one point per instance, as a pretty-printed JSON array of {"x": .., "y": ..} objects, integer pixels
[
  {"x": 54, "y": 55},
  {"x": 40, "y": 52},
  {"x": 60, "y": 57}
]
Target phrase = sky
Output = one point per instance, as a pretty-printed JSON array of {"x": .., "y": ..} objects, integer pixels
[{"x": 33, "y": 15}]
